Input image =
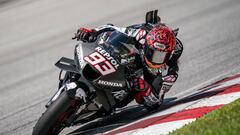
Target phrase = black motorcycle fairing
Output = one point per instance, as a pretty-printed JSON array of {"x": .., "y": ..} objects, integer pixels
[
  {"x": 80, "y": 51},
  {"x": 117, "y": 50}
]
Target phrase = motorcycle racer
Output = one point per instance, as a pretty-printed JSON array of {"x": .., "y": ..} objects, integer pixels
[{"x": 159, "y": 51}]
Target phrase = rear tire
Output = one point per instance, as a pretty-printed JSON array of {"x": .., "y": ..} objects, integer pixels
[{"x": 53, "y": 120}]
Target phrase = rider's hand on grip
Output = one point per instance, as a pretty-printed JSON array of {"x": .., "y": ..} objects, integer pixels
[
  {"x": 144, "y": 93},
  {"x": 85, "y": 35}
]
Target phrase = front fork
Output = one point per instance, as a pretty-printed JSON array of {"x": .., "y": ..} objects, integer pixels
[{"x": 73, "y": 91}]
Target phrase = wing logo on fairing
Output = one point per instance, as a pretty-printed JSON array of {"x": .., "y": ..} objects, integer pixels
[{"x": 113, "y": 84}]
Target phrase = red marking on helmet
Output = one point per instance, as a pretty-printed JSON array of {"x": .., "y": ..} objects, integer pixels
[
  {"x": 162, "y": 35},
  {"x": 140, "y": 34}
]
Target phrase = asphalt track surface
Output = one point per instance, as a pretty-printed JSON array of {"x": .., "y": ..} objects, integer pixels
[{"x": 35, "y": 34}]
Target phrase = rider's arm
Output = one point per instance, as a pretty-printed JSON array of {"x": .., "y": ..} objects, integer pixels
[
  {"x": 173, "y": 62},
  {"x": 172, "y": 73}
]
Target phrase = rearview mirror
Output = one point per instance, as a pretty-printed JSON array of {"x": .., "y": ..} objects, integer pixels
[{"x": 152, "y": 17}]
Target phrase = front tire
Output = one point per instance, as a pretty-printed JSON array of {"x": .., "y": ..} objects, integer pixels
[{"x": 53, "y": 120}]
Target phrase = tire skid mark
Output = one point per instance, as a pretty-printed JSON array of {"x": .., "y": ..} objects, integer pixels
[
  {"x": 211, "y": 10},
  {"x": 10, "y": 60},
  {"x": 23, "y": 109},
  {"x": 18, "y": 127},
  {"x": 27, "y": 79}
]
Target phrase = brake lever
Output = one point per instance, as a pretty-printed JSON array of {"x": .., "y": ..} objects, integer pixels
[{"x": 75, "y": 36}]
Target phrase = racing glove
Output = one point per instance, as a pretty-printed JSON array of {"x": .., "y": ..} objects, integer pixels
[
  {"x": 145, "y": 93},
  {"x": 86, "y": 35},
  {"x": 139, "y": 84}
]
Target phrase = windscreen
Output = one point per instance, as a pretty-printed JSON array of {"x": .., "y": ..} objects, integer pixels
[{"x": 119, "y": 43}]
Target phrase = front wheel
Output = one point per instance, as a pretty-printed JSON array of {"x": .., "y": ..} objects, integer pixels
[{"x": 54, "y": 119}]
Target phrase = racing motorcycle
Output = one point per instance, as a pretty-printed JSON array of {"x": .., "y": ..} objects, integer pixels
[{"x": 93, "y": 84}]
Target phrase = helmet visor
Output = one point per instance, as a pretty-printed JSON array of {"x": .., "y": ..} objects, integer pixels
[{"x": 154, "y": 56}]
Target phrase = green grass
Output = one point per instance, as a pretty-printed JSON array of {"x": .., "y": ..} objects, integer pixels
[{"x": 223, "y": 121}]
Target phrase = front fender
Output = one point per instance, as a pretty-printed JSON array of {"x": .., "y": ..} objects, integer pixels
[{"x": 75, "y": 92}]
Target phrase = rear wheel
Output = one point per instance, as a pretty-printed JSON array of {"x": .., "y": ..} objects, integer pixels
[{"x": 55, "y": 118}]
